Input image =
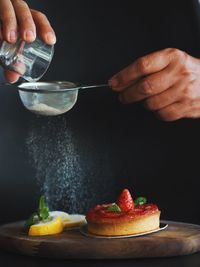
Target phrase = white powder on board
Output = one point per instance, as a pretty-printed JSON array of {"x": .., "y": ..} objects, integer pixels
[{"x": 65, "y": 168}]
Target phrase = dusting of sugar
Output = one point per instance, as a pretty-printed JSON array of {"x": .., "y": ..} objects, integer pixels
[
  {"x": 65, "y": 169},
  {"x": 45, "y": 110}
]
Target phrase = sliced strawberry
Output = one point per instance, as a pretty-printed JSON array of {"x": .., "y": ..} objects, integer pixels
[{"x": 125, "y": 201}]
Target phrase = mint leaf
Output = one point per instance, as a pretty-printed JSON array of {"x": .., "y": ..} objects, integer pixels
[
  {"x": 42, "y": 203},
  {"x": 140, "y": 201},
  {"x": 43, "y": 210},
  {"x": 113, "y": 208},
  {"x": 33, "y": 219},
  {"x": 41, "y": 214}
]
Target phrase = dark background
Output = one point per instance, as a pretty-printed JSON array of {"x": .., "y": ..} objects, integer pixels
[{"x": 120, "y": 146}]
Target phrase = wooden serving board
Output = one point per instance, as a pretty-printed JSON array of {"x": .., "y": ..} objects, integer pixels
[{"x": 177, "y": 239}]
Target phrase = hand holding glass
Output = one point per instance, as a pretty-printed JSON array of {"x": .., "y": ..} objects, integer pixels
[{"x": 29, "y": 60}]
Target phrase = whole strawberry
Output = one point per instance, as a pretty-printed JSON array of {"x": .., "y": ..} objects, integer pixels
[{"x": 125, "y": 201}]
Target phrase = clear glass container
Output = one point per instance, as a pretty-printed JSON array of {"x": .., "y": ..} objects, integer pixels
[{"x": 30, "y": 60}]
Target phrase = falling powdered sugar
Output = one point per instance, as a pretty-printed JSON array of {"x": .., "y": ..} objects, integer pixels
[
  {"x": 57, "y": 164},
  {"x": 71, "y": 171}
]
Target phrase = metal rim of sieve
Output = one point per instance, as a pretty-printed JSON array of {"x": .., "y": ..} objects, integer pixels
[{"x": 54, "y": 87}]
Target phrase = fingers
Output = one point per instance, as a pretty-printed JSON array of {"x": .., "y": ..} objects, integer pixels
[
  {"x": 165, "y": 98},
  {"x": 166, "y": 81},
  {"x": 44, "y": 28},
  {"x": 11, "y": 76},
  {"x": 149, "y": 86},
  {"x": 143, "y": 66},
  {"x": 25, "y": 21},
  {"x": 173, "y": 112},
  {"x": 9, "y": 22},
  {"x": 17, "y": 17}
]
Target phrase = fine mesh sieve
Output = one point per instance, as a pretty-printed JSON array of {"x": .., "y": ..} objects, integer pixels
[{"x": 51, "y": 98}]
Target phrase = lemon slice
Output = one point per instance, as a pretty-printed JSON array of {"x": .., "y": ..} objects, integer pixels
[
  {"x": 49, "y": 227},
  {"x": 74, "y": 220}
]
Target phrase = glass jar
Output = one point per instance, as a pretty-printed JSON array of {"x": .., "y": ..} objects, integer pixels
[{"x": 30, "y": 60}]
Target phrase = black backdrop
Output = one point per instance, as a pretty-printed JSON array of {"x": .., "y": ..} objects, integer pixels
[{"x": 122, "y": 146}]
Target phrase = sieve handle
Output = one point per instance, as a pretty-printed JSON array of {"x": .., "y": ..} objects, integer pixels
[{"x": 93, "y": 86}]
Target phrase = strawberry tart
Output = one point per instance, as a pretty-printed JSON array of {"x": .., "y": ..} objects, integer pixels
[{"x": 125, "y": 217}]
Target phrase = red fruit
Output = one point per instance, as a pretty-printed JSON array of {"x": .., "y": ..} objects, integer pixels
[{"x": 125, "y": 201}]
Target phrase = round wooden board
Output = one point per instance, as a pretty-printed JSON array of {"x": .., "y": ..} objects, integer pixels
[{"x": 177, "y": 239}]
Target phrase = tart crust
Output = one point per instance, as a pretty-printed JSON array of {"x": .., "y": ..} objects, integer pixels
[{"x": 138, "y": 225}]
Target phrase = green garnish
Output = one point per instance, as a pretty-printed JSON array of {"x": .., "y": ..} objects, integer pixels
[
  {"x": 140, "y": 201},
  {"x": 41, "y": 214},
  {"x": 113, "y": 208},
  {"x": 33, "y": 219},
  {"x": 43, "y": 211}
]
